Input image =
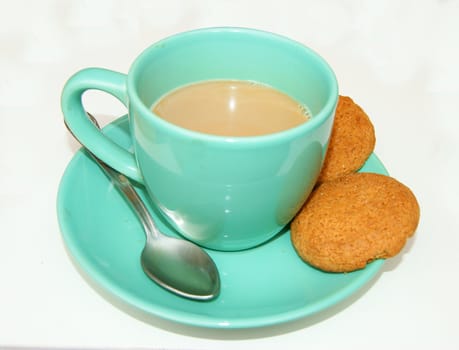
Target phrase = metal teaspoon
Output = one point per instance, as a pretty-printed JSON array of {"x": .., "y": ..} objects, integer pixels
[{"x": 175, "y": 264}]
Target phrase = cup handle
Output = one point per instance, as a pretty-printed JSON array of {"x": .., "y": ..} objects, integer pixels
[{"x": 84, "y": 130}]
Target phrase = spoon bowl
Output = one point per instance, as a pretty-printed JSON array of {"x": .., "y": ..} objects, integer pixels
[{"x": 160, "y": 263}]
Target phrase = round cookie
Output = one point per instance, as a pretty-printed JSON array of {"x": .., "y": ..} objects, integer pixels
[
  {"x": 351, "y": 142},
  {"x": 351, "y": 221}
]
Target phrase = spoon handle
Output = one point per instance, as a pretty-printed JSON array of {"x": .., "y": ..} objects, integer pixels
[
  {"x": 126, "y": 188},
  {"x": 124, "y": 185}
]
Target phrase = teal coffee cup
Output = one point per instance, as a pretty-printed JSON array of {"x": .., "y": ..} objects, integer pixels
[{"x": 224, "y": 193}]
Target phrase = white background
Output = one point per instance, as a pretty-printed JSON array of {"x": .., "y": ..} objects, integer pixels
[{"x": 398, "y": 59}]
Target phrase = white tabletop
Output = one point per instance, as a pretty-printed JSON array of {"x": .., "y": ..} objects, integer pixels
[{"x": 397, "y": 59}]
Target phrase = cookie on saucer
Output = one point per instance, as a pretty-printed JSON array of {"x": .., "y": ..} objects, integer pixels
[
  {"x": 351, "y": 142},
  {"x": 351, "y": 221}
]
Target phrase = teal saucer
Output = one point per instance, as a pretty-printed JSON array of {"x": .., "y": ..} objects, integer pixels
[{"x": 262, "y": 286}]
